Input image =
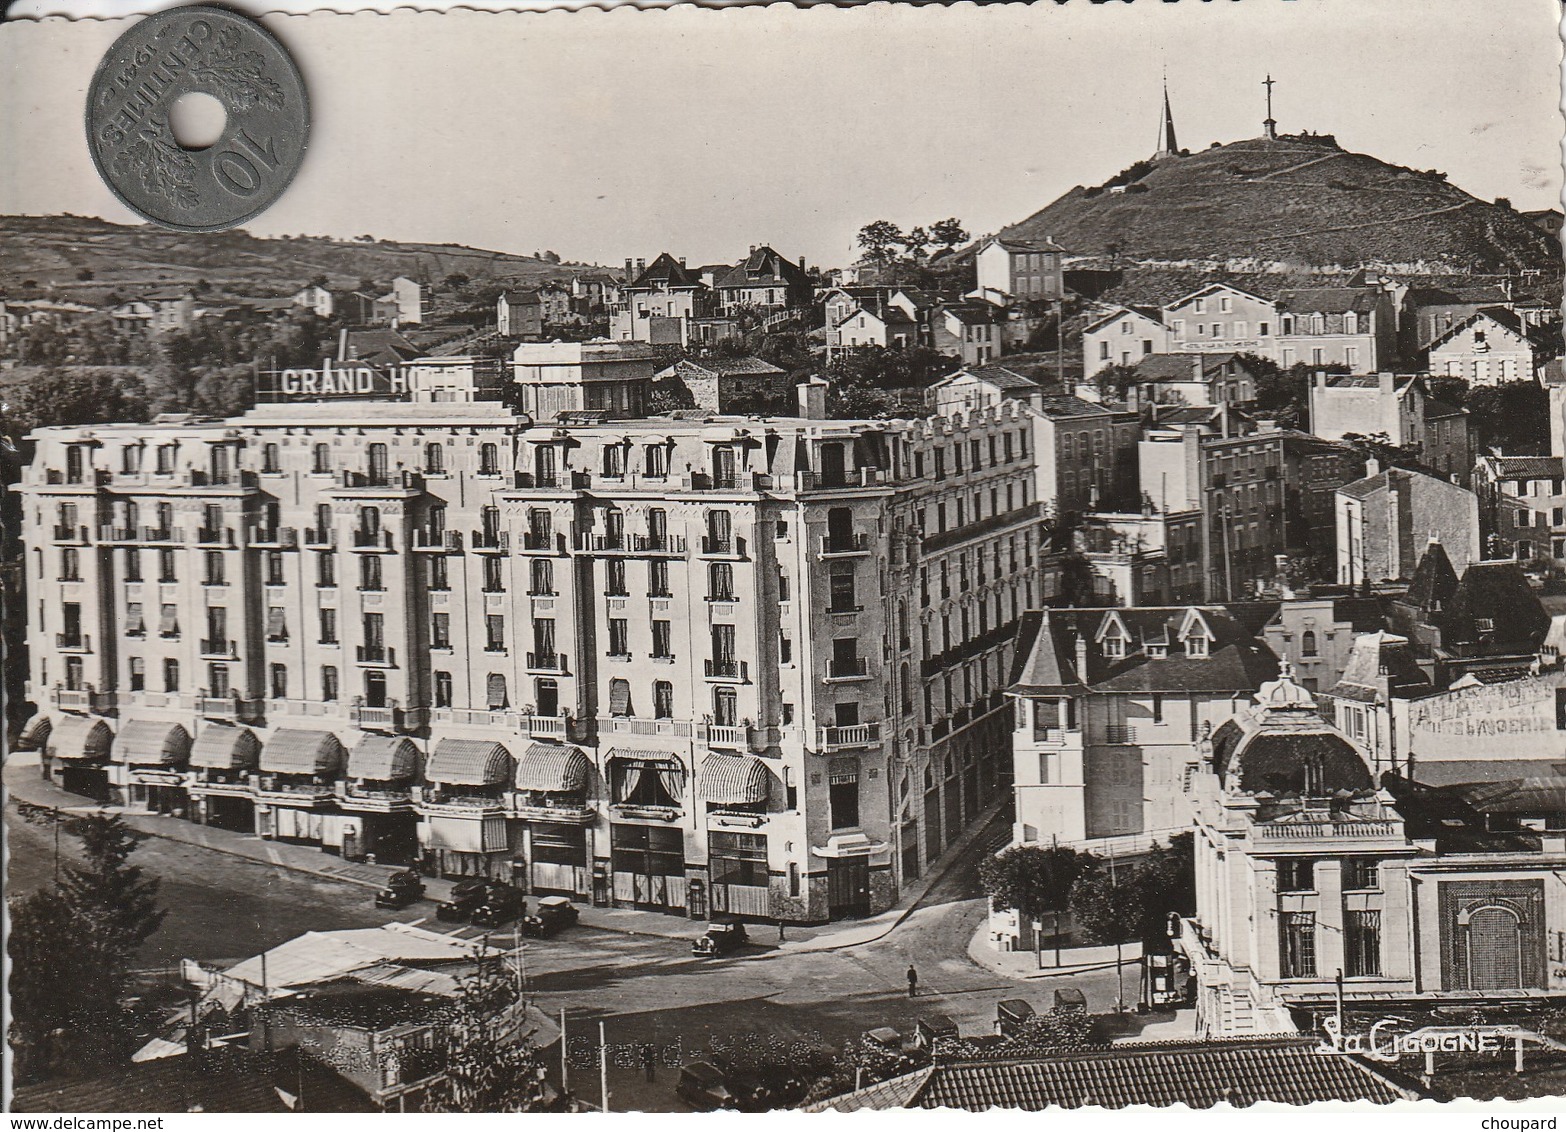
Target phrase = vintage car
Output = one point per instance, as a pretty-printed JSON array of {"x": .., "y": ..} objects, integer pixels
[
  {"x": 721, "y": 937},
  {"x": 466, "y": 896},
  {"x": 554, "y": 913},
  {"x": 501, "y": 905},
  {"x": 402, "y": 888},
  {"x": 703, "y": 1085}
]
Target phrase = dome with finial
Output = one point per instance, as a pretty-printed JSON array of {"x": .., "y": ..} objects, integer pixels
[
  {"x": 1283, "y": 747},
  {"x": 1284, "y": 692}
]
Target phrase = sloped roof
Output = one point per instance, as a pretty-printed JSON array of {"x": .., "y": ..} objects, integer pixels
[
  {"x": 729, "y": 367},
  {"x": 1064, "y": 405},
  {"x": 1524, "y": 467},
  {"x": 321, "y": 956},
  {"x": 1382, "y": 481},
  {"x": 666, "y": 270},
  {"x": 762, "y": 268},
  {"x": 1380, "y": 656},
  {"x": 1044, "y": 663},
  {"x": 1439, "y": 410},
  {"x": 1542, "y": 339},
  {"x": 1434, "y": 581},
  {"x": 973, "y": 313},
  {"x": 999, "y": 376},
  {"x": 1401, "y": 382},
  {"x": 1328, "y": 300},
  {"x": 1015, "y": 245},
  {"x": 1170, "y": 367},
  {"x": 1517, "y": 796},
  {"x": 1497, "y": 592},
  {"x": 1146, "y": 311}
]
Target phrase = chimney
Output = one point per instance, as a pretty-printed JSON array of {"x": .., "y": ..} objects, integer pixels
[
  {"x": 682, "y": 261},
  {"x": 1321, "y": 380},
  {"x": 1372, "y": 466},
  {"x": 753, "y": 249},
  {"x": 1082, "y": 657},
  {"x": 1388, "y": 383},
  {"x": 641, "y": 266},
  {"x": 628, "y": 276},
  {"x": 812, "y": 398}
]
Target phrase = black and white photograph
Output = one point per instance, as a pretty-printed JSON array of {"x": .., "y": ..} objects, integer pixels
[{"x": 783, "y": 557}]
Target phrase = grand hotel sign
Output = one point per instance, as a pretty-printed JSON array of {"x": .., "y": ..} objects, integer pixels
[{"x": 351, "y": 380}]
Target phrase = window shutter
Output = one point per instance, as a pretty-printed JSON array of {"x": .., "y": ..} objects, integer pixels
[
  {"x": 495, "y": 691},
  {"x": 274, "y": 623},
  {"x": 169, "y": 622},
  {"x": 619, "y": 697}
]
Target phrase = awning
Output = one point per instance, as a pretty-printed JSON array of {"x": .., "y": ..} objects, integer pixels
[
  {"x": 734, "y": 779},
  {"x": 383, "y": 758},
  {"x": 80, "y": 738},
  {"x": 35, "y": 733},
  {"x": 655, "y": 759},
  {"x": 469, "y": 762},
  {"x": 221, "y": 747},
  {"x": 552, "y": 766},
  {"x": 291, "y": 751},
  {"x": 152, "y": 742}
]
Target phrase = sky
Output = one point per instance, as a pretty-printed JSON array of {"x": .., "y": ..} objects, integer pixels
[{"x": 607, "y": 135}]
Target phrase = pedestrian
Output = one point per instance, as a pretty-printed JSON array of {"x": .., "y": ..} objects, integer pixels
[
  {"x": 913, "y": 981},
  {"x": 649, "y": 1062},
  {"x": 780, "y": 931}
]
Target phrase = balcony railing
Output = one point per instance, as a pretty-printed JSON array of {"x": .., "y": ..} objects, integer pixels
[
  {"x": 545, "y": 726},
  {"x": 73, "y": 642},
  {"x": 215, "y": 536},
  {"x": 1325, "y": 828},
  {"x": 848, "y": 735},
  {"x": 320, "y": 536},
  {"x": 443, "y": 541},
  {"x": 827, "y": 481},
  {"x": 372, "y": 540},
  {"x": 1119, "y": 734},
  {"x": 70, "y": 532},
  {"x": 229, "y": 707},
  {"x": 550, "y": 541},
  {"x": 491, "y": 542},
  {"x": 1054, "y": 734},
  {"x": 724, "y": 735},
  {"x": 84, "y": 699},
  {"x": 376, "y": 655},
  {"x": 727, "y": 546},
  {"x": 284, "y": 538},
  {"x": 386, "y": 718},
  {"x": 546, "y": 661},
  {"x": 640, "y": 725},
  {"x": 398, "y": 480},
  {"x": 219, "y": 649},
  {"x": 724, "y": 669},
  {"x": 847, "y": 668},
  {"x": 856, "y": 542},
  {"x": 668, "y": 544}
]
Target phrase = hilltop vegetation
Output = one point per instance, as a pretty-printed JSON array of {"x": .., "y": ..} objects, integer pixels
[{"x": 1296, "y": 201}]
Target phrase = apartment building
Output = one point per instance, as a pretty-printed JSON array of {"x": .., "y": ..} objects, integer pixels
[{"x": 734, "y": 664}]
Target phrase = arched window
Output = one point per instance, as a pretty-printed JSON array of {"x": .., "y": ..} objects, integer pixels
[
  {"x": 495, "y": 692},
  {"x": 489, "y": 460},
  {"x": 725, "y": 707},
  {"x": 1308, "y": 643},
  {"x": 321, "y": 459},
  {"x": 434, "y": 459}
]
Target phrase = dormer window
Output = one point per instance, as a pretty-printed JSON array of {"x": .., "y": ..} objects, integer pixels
[
  {"x": 1484, "y": 624},
  {"x": 1158, "y": 650},
  {"x": 1196, "y": 646},
  {"x": 1114, "y": 647}
]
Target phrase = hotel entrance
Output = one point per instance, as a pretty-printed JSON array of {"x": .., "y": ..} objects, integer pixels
[{"x": 649, "y": 867}]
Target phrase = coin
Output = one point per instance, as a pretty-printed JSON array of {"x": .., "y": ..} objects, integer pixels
[{"x": 220, "y": 53}]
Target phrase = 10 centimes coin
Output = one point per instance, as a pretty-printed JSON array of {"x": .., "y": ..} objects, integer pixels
[{"x": 219, "y": 53}]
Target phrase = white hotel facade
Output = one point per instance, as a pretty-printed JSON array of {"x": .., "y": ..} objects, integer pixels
[{"x": 687, "y": 663}]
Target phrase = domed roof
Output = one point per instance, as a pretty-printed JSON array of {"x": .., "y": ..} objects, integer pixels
[
  {"x": 1281, "y": 746},
  {"x": 1284, "y": 692}
]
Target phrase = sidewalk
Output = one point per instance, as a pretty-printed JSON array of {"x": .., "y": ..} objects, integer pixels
[
  {"x": 1024, "y": 965},
  {"x": 22, "y": 781}
]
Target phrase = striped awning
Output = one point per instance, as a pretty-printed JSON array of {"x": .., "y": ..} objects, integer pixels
[
  {"x": 291, "y": 751},
  {"x": 151, "y": 742},
  {"x": 35, "y": 733},
  {"x": 383, "y": 758},
  {"x": 655, "y": 759},
  {"x": 469, "y": 762},
  {"x": 734, "y": 779},
  {"x": 80, "y": 738},
  {"x": 553, "y": 766},
  {"x": 222, "y": 747}
]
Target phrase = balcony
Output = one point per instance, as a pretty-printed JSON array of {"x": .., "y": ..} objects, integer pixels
[
  {"x": 217, "y": 649},
  {"x": 373, "y": 482},
  {"x": 84, "y": 699},
  {"x": 1326, "y": 828},
  {"x": 848, "y": 736},
  {"x": 320, "y": 536},
  {"x": 435, "y": 801},
  {"x": 637, "y": 725},
  {"x": 372, "y": 541},
  {"x": 375, "y": 656},
  {"x": 1120, "y": 735},
  {"x": 836, "y": 481},
  {"x": 231, "y": 708},
  {"x": 727, "y": 670},
  {"x": 549, "y": 542},
  {"x": 215, "y": 536},
  {"x": 293, "y": 789},
  {"x": 73, "y": 642},
  {"x": 845, "y": 545},
  {"x": 491, "y": 542},
  {"x": 203, "y": 783},
  {"x": 741, "y": 737},
  {"x": 1055, "y": 736},
  {"x": 546, "y": 662},
  {"x": 565, "y": 811},
  {"x": 610, "y": 543},
  {"x": 195, "y": 477},
  {"x": 669, "y": 544},
  {"x": 545, "y": 726},
  {"x": 848, "y": 668},
  {"x": 440, "y": 542},
  {"x": 351, "y": 796},
  {"x": 275, "y": 538},
  {"x": 730, "y": 481},
  {"x": 70, "y": 532},
  {"x": 389, "y": 717}
]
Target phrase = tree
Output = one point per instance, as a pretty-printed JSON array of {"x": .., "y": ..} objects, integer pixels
[
  {"x": 1109, "y": 903},
  {"x": 1378, "y": 446},
  {"x": 117, "y": 900},
  {"x": 1032, "y": 880},
  {"x": 915, "y": 242},
  {"x": 948, "y": 233},
  {"x": 878, "y": 238},
  {"x": 457, "y": 281},
  {"x": 491, "y": 1066}
]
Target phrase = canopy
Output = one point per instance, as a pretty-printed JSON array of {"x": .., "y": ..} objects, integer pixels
[
  {"x": 734, "y": 779},
  {"x": 469, "y": 762},
  {"x": 552, "y": 766},
  {"x": 81, "y": 738},
  {"x": 152, "y": 742},
  {"x": 223, "y": 747},
  {"x": 383, "y": 758},
  {"x": 291, "y": 751},
  {"x": 35, "y": 733}
]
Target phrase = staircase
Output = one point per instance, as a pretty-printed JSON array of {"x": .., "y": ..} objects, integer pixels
[{"x": 1237, "y": 1016}]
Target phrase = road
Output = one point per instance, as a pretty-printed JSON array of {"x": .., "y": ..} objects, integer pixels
[{"x": 645, "y": 989}]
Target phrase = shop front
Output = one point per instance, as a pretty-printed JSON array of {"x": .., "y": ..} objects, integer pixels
[
  {"x": 462, "y": 809},
  {"x": 376, "y": 796},
  {"x": 77, "y": 754},
  {"x": 222, "y": 759},
  {"x": 737, "y": 791},
  {"x": 551, "y": 806},
  {"x": 148, "y": 768},
  {"x": 646, "y": 845},
  {"x": 295, "y": 787}
]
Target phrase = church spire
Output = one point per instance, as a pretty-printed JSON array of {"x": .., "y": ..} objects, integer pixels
[{"x": 1167, "y": 146}]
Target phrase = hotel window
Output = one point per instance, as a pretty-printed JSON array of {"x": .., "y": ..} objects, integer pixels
[
  {"x": 138, "y": 674},
  {"x": 489, "y": 460},
  {"x": 1361, "y": 943},
  {"x": 329, "y": 683},
  {"x": 1296, "y": 874},
  {"x": 168, "y": 621},
  {"x": 130, "y": 459},
  {"x": 326, "y": 568},
  {"x": 434, "y": 459},
  {"x": 328, "y": 627},
  {"x": 279, "y": 681},
  {"x": 663, "y": 699},
  {"x": 494, "y": 632},
  {"x": 1361, "y": 874},
  {"x": 619, "y": 637},
  {"x": 133, "y": 565},
  {"x": 213, "y": 560},
  {"x": 725, "y": 707},
  {"x": 614, "y": 461},
  {"x": 658, "y": 579},
  {"x": 135, "y": 625},
  {"x": 440, "y": 578},
  {"x": 720, "y": 581},
  {"x": 614, "y": 578},
  {"x": 1201, "y": 306},
  {"x": 271, "y": 462},
  {"x": 1223, "y": 304},
  {"x": 620, "y": 698},
  {"x": 657, "y": 528},
  {"x": 370, "y": 572},
  {"x": 655, "y": 461},
  {"x": 276, "y": 624},
  {"x": 1263, "y": 329},
  {"x": 661, "y": 647},
  {"x": 541, "y": 577},
  {"x": 1308, "y": 643},
  {"x": 166, "y": 565},
  {"x": 843, "y": 798},
  {"x": 321, "y": 459},
  {"x": 1297, "y": 955},
  {"x": 170, "y": 675},
  {"x": 440, "y": 630},
  {"x": 495, "y": 697},
  {"x": 841, "y": 588},
  {"x": 443, "y": 689},
  {"x": 70, "y": 565},
  {"x": 274, "y": 567},
  {"x": 494, "y": 570},
  {"x": 1114, "y": 647}
]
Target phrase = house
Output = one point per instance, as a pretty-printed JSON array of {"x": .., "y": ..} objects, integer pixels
[
  {"x": 1027, "y": 270},
  {"x": 1316, "y": 634},
  {"x": 659, "y": 303},
  {"x": 1488, "y": 622},
  {"x": 554, "y": 300},
  {"x": 862, "y": 328},
  {"x": 1122, "y": 337},
  {"x": 1193, "y": 379},
  {"x": 1428, "y": 312},
  {"x": 970, "y": 330},
  {"x": 157, "y": 313},
  {"x": 1492, "y": 346},
  {"x": 764, "y": 281},
  {"x": 1523, "y": 507},
  {"x": 1086, "y": 453},
  {"x": 1222, "y": 318},
  {"x": 734, "y": 385},
  {"x": 980, "y": 387},
  {"x": 1342, "y": 326},
  {"x": 837, "y": 303},
  {"x": 519, "y": 314},
  {"x": 1399, "y": 407},
  {"x": 403, "y": 304},
  {"x": 1386, "y": 520},
  {"x": 1369, "y": 701},
  {"x": 313, "y": 298},
  {"x": 592, "y": 291}
]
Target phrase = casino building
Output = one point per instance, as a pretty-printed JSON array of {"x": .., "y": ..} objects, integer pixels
[{"x": 487, "y": 619}]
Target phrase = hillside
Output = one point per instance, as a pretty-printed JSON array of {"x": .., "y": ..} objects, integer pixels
[
  {"x": 1294, "y": 202},
  {"x": 53, "y": 250}
]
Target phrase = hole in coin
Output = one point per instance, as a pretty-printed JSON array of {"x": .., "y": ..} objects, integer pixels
[{"x": 197, "y": 120}]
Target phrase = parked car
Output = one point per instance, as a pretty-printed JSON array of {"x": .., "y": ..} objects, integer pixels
[
  {"x": 501, "y": 905},
  {"x": 932, "y": 1028},
  {"x": 466, "y": 896},
  {"x": 703, "y": 1085},
  {"x": 402, "y": 888},
  {"x": 1011, "y": 1016},
  {"x": 721, "y": 937},
  {"x": 1070, "y": 998},
  {"x": 554, "y": 913}
]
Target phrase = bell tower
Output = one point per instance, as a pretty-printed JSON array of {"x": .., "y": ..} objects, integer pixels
[{"x": 1167, "y": 145}]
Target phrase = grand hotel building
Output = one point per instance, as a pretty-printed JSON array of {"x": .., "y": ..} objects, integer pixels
[{"x": 491, "y": 619}]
